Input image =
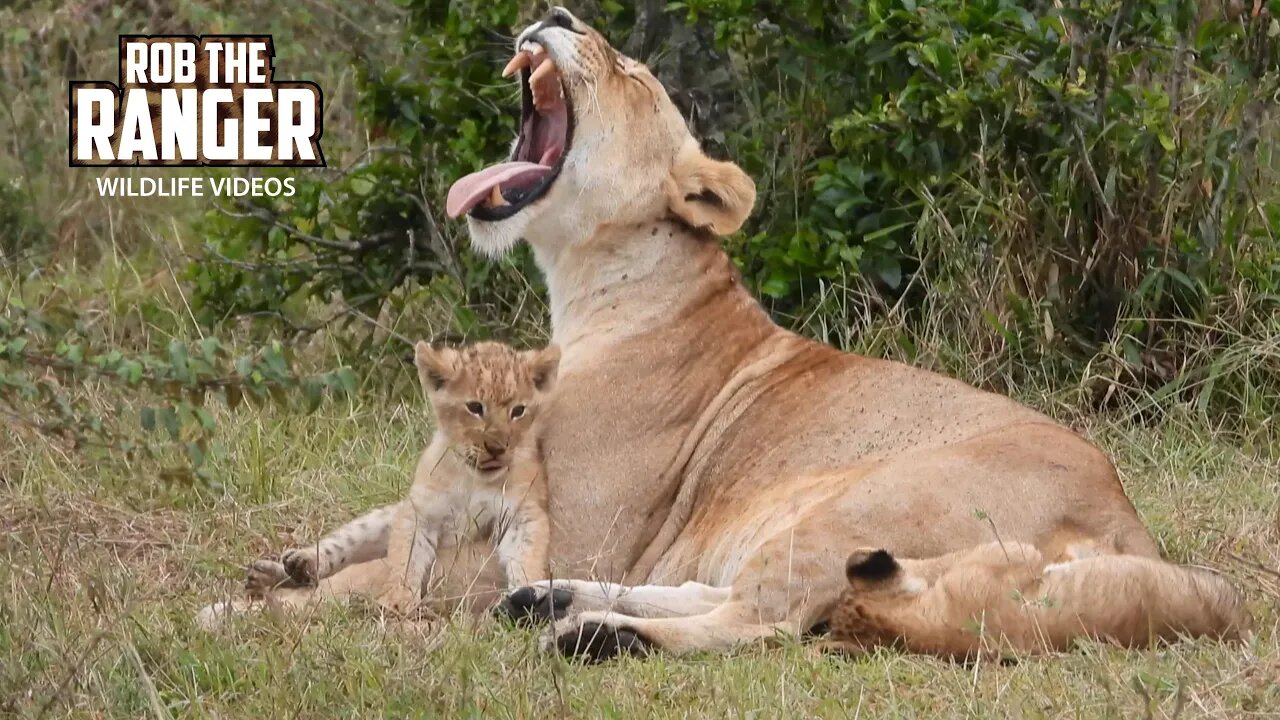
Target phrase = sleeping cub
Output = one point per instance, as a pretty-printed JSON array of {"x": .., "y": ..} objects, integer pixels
[
  {"x": 999, "y": 598},
  {"x": 481, "y": 476}
]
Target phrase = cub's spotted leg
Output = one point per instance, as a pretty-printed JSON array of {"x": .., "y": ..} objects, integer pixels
[
  {"x": 523, "y": 550},
  {"x": 551, "y": 600},
  {"x": 360, "y": 540},
  {"x": 411, "y": 552}
]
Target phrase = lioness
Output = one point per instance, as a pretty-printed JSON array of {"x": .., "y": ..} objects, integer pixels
[
  {"x": 1005, "y": 597},
  {"x": 714, "y": 467}
]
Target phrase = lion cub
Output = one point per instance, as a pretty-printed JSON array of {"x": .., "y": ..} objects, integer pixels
[
  {"x": 997, "y": 598},
  {"x": 481, "y": 475}
]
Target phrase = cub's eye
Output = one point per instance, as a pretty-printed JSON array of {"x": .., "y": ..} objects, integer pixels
[
  {"x": 517, "y": 412},
  {"x": 475, "y": 408}
]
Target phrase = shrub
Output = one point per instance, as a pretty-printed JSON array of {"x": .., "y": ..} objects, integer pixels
[{"x": 1081, "y": 191}]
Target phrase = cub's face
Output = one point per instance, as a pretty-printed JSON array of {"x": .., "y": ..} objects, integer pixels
[
  {"x": 486, "y": 397},
  {"x": 876, "y": 582}
]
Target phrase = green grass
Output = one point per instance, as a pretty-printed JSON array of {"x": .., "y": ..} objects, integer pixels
[{"x": 102, "y": 575}]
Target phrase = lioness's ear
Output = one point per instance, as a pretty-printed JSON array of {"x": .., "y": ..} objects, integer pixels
[
  {"x": 709, "y": 193},
  {"x": 871, "y": 566},
  {"x": 435, "y": 366},
  {"x": 544, "y": 365}
]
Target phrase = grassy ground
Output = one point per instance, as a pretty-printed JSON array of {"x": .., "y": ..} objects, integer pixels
[{"x": 101, "y": 577}]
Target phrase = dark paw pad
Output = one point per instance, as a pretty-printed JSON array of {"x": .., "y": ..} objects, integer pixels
[
  {"x": 301, "y": 567},
  {"x": 526, "y": 606},
  {"x": 595, "y": 642},
  {"x": 819, "y": 629}
]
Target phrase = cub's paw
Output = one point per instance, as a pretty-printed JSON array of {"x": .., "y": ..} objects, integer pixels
[
  {"x": 263, "y": 576},
  {"x": 302, "y": 564},
  {"x": 534, "y": 605}
]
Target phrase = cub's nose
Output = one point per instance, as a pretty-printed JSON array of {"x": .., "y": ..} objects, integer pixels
[{"x": 494, "y": 449}]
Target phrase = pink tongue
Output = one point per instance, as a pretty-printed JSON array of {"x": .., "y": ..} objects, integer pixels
[{"x": 472, "y": 190}]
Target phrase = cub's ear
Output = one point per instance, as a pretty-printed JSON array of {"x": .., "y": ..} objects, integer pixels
[
  {"x": 435, "y": 365},
  {"x": 709, "y": 193},
  {"x": 870, "y": 566},
  {"x": 543, "y": 365}
]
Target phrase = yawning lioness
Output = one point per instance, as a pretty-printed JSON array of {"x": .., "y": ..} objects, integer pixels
[{"x": 719, "y": 464}]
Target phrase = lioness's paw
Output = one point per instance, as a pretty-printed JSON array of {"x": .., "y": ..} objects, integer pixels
[
  {"x": 534, "y": 605},
  {"x": 592, "y": 641},
  {"x": 302, "y": 564},
  {"x": 263, "y": 576}
]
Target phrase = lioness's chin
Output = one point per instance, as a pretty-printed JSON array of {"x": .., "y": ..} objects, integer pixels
[{"x": 496, "y": 238}]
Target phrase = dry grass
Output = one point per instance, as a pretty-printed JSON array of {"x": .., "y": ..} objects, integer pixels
[{"x": 102, "y": 575}]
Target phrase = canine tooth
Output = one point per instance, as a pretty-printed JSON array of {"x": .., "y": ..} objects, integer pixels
[
  {"x": 520, "y": 61},
  {"x": 534, "y": 49},
  {"x": 495, "y": 197},
  {"x": 547, "y": 68}
]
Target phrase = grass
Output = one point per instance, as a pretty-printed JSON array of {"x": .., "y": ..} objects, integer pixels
[{"x": 102, "y": 576}]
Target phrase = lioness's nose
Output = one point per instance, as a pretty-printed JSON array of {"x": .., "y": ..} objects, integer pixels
[
  {"x": 559, "y": 17},
  {"x": 494, "y": 449}
]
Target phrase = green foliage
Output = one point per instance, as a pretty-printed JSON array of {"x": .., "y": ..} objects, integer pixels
[
  {"x": 360, "y": 233},
  {"x": 1041, "y": 183},
  {"x": 51, "y": 361}
]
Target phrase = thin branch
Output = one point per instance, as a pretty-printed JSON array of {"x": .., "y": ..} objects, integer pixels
[{"x": 267, "y": 217}]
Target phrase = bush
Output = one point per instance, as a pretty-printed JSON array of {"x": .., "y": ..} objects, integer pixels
[{"x": 1081, "y": 191}]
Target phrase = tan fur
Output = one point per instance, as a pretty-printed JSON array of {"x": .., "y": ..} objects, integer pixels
[
  {"x": 480, "y": 478},
  {"x": 454, "y": 497},
  {"x": 708, "y": 194},
  {"x": 694, "y": 440},
  {"x": 700, "y": 451},
  {"x": 999, "y": 598}
]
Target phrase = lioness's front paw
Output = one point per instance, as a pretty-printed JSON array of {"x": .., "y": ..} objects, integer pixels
[
  {"x": 534, "y": 604},
  {"x": 263, "y": 576},
  {"x": 591, "y": 637},
  {"x": 302, "y": 564}
]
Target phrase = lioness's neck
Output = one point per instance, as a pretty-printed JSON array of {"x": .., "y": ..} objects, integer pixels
[{"x": 630, "y": 279}]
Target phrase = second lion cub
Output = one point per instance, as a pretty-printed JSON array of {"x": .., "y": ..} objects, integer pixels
[{"x": 999, "y": 598}]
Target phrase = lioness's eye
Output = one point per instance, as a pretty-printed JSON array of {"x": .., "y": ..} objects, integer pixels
[
  {"x": 517, "y": 412},
  {"x": 475, "y": 408}
]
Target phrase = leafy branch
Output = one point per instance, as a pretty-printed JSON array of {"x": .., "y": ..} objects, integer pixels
[{"x": 50, "y": 366}]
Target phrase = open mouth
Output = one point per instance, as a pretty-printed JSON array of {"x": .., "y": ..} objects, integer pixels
[
  {"x": 490, "y": 465},
  {"x": 546, "y": 127}
]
